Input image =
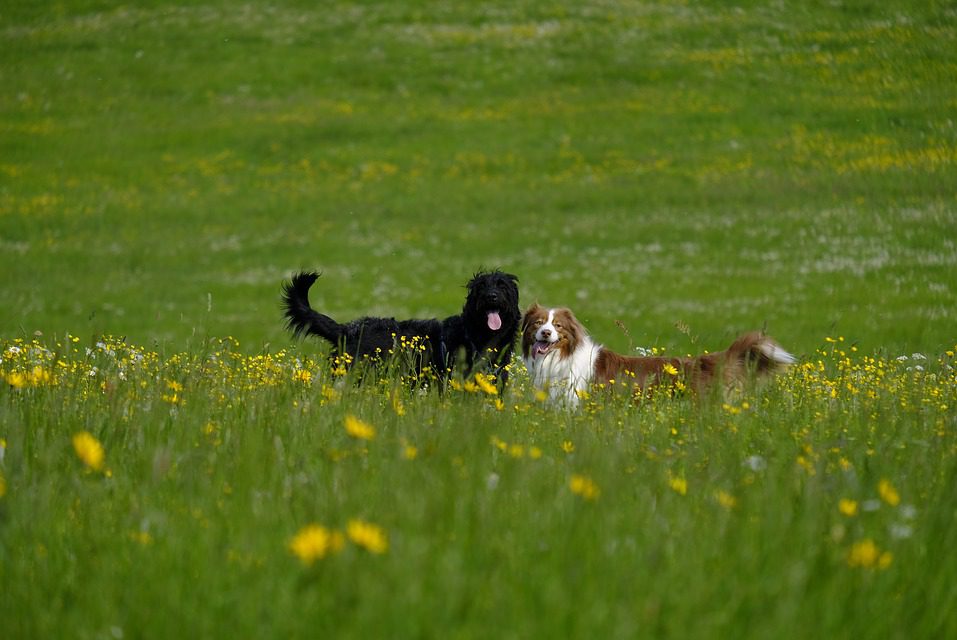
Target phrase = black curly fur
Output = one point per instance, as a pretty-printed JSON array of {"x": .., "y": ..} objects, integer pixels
[{"x": 443, "y": 340}]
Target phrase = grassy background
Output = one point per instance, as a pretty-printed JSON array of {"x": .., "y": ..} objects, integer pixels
[
  {"x": 165, "y": 166},
  {"x": 689, "y": 169}
]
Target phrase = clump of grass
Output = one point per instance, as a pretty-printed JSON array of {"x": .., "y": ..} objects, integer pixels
[{"x": 234, "y": 493}]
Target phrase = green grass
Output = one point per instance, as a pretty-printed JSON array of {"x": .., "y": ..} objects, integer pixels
[
  {"x": 165, "y": 166},
  {"x": 707, "y": 519},
  {"x": 689, "y": 170}
]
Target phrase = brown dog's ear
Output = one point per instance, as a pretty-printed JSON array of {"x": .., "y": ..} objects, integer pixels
[
  {"x": 529, "y": 313},
  {"x": 573, "y": 317},
  {"x": 571, "y": 324}
]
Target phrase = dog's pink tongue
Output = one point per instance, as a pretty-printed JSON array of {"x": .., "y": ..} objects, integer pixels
[{"x": 494, "y": 321}]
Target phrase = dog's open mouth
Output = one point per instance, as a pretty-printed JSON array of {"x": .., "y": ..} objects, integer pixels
[
  {"x": 541, "y": 349},
  {"x": 494, "y": 320}
]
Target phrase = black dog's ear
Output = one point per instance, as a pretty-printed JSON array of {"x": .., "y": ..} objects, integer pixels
[
  {"x": 475, "y": 277},
  {"x": 511, "y": 276}
]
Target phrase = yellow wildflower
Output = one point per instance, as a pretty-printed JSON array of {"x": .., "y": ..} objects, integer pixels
[
  {"x": 397, "y": 405},
  {"x": 172, "y": 398},
  {"x": 568, "y": 446},
  {"x": 679, "y": 485},
  {"x": 670, "y": 369},
  {"x": 314, "y": 542},
  {"x": 302, "y": 375},
  {"x": 847, "y": 507},
  {"x": 863, "y": 554},
  {"x": 725, "y": 499},
  {"x": 359, "y": 429},
  {"x": 329, "y": 394},
  {"x": 888, "y": 493},
  {"x": 89, "y": 450},
  {"x": 484, "y": 383},
  {"x": 584, "y": 486},
  {"x": 16, "y": 380},
  {"x": 142, "y": 537},
  {"x": 368, "y": 536},
  {"x": 731, "y": 409},
  {"x": 807, "y": 465},
  {"x": 33, "y": 378},
  {"x": 866, "y": 554}
]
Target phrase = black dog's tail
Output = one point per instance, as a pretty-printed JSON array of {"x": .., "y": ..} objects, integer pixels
[{"x": 302, "y": 319}]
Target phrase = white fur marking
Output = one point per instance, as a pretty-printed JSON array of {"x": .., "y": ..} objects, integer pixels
[
  {"x": 548, "y": 326},
  {"x": 776, "y": 353},
  {"x": 563, "y": 377}
]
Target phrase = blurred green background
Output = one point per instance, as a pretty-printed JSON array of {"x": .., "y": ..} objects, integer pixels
[{"x": 689, "y": 169}]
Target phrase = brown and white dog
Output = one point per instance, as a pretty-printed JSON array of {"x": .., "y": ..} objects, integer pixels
[{"x": 563, "y": 360}]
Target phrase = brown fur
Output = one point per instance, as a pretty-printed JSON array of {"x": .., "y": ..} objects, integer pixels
[
  {"x": 729, "y": 368},
  {"x": 748, "y": 357}
]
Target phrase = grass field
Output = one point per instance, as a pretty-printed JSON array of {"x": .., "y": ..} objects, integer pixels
[{"x": 683, "y": 170}]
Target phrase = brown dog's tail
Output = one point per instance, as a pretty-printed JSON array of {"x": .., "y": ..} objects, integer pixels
[{"x": 760, "y": 353}]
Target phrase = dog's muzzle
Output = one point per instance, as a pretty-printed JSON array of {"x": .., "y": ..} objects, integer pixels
[{"x": 541, "y": 348}]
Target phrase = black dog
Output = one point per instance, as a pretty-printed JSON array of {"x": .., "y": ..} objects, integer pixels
[{"x": 485, "y": 330}]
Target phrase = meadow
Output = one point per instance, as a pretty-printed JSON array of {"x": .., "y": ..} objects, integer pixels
[{"x": 171, "y": 462}]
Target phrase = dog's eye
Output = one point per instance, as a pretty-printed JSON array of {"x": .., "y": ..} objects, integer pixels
[{"x": 558, "y": 325}]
